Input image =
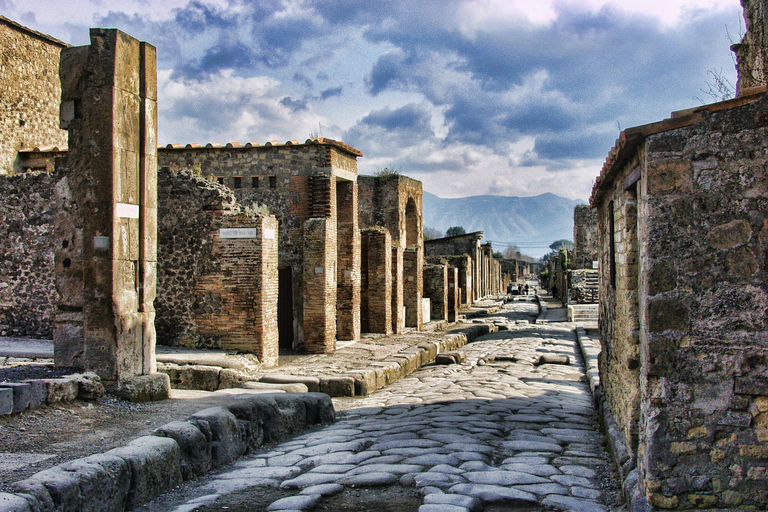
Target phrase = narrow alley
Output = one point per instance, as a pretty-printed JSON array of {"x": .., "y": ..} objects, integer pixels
[{"x": 511, "y": 428}]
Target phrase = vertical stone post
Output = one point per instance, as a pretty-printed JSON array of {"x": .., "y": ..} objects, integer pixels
[
  {"x": 398, "y": 318},
  {"x": 348, "y": 278},
  {"x": 109, "y": 106}
]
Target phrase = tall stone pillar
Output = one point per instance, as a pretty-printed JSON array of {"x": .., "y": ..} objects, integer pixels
[
  {"x": 413, "y": 286},
  {"x": 109, "y": 106},
  {"x": 376, "y": 301},
  {"x": 398, "y": 316}
]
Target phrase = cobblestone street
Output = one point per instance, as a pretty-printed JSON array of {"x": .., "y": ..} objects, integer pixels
[{"x": 501, "y": 431}]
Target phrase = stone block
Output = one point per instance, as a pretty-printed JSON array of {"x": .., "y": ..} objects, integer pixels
[
  {"x": 6, "y": 400},
  {"x": 13, "y": 503},
  {"x": 227, "y": 442},
  {"x": 61, "y": 390},
  {"x": 144, "y": 388},
  {"x": 365, "y": 382},
  {"x": 247, "y": 415},
  {"x": 275, "y": 388},
  {"x": 195, "y": 447},
  {"x": 229, "y": 378},
  {"x": 155, "y": 467},
  {"x": 269, "y": 412},
  {"x": 35, "y": 493},
  {"x": 337, "y": 386},
  {"x": 89, "y": 386},
  {"x": 104, "y": 481},
  {"x": 319, "y": 407},
  {"x": 312, "y": 383},
  {"x": 293, "y": 413},
  {"x": 22, "y": 394},
  {"x": 38, "y": 393}
]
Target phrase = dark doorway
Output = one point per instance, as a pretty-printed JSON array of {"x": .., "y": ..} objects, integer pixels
[{"x": 285, "y": 308}]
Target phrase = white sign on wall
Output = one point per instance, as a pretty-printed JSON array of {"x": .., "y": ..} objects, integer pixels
[
  {"x": 127, "y": 211},
  {"x": 238, "y": 233},
  {"x": 269, "y": 234}
]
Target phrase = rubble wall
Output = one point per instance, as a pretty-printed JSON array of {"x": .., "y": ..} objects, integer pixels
[
  {"x": 30, "y": 114},
  {"x": 585, "y": 237},
  {"x": 27, "y": 292},
  {"x": 705, "y": 231}
]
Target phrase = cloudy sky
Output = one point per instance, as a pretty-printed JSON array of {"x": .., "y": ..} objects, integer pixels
[{"x": 505, "y": 97}]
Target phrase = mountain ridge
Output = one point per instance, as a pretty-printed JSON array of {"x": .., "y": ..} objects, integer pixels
[{"x": 530, "y": 222}]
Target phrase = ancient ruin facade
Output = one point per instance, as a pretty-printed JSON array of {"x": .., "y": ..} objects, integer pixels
[
  {"x": 483, "y": 277},
  {"x": 683, "y": 225},
  {"x": 30, "y": 113},
  {"x": 394, "y": 203},
  {"x": 751, "y": 54},
  {"x": 312, "y": 190},
  {"x": 584, "y": 274}
]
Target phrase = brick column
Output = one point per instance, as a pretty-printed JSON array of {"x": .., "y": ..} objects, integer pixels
[
  {"x": 319, "y": 276},
  {"x": 436, "y": 290},
  {"x": 454, "y": 291},
  {"x": 348, "y": 276},
  {"x": 376, "y": 302},
  {"x": 398, "y": 318},
  {"x": 413, "y": 285}
]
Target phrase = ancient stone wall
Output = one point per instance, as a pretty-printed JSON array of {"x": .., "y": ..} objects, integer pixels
[
  {"x": 751, "y": 52},
  {"x": 585, "y": 237},
  {"x": 436, "y": 290},
  {"x": 394, "y": 202},
  {"x": 27, "y": 292},
  {"x": 376, "y": 283},
  {"x": 213, "y": 291},
  {"x": 618, "y": 315},
  {"x": 29, "y": 114},
  {"x": 705, "y": 232}
]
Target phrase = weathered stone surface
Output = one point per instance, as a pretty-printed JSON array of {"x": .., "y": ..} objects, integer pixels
[
  {"x": 227, "y": 443},
  {"x": 337, "y": 386},
  {"x": 6, "y": 401},
  {"x": 13, "y": 503},
  {"x": 312, "y": 383},
  {"x": 61, "y": 390},
  {"x": 22, "y": 394},
  {"x": 89, "y": 386},
  {"x": 144, "y": 388},
  {"x": 155, "y": 467},
  {"x": 195, "y": 447}
]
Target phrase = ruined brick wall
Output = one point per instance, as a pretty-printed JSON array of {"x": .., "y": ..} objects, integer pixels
[
  {"x": 704, "y": 221},
  {"x": 413, "y": 286},
  {"x": 27, "y": 293},
  {"x": 214, "y": 292},
  {"x": 618, "y": 314},
  {"x": 436, "y": 290},
  {"x": 584, "y": 286},
  {"x": 585, "y": 236},
  {"x": 30, "y": 92},
  {"x": 393, "y": 202}
]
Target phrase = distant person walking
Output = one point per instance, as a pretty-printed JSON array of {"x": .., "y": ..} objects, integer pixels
[
  {"x": 554, "y": 290},
  {"x": 526, "y": 289}
]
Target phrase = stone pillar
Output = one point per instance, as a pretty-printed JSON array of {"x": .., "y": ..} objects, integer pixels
[
  {"x": 319, "y": 287},
  {"x": 398, "y": 317},
  {"x": 376, "y": 302},
  {"x": 436, "y": 290},
  {"x": 751, "y": 51},
  {"x": 413, "y": 286},
  {"x": 109, "y": 106},
  {"x": 348, "y": 278}
]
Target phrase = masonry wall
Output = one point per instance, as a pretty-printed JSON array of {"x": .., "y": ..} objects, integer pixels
[
  {"x": 376, "y": 283},
  {"x": 27, "y": 292},
  {"x": 704, "y": 223},
  {"x": 585, "y": 237},
  {"x": 619, "y": 313},
  {"x": 436, "y": 290},
  {"x": 751, "y": 50},
  {"x": 214, "y": 292},
  {"x": 29, "y": 114}
]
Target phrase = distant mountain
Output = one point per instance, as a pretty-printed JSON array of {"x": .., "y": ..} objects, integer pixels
[{"x": 531, "y": 223}]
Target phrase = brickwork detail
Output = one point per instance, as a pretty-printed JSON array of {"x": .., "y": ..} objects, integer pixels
[
  {"x": 436, "y": 290},
  {"x": 413, "y": 286},
  {"x": 376, "y": 285}
]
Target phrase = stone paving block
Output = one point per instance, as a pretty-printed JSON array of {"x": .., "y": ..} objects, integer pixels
[
  {"x": 13, "y": 503},
  {"x": 572, "y": 504},
  {"x": 22, "y": 394},
  {"x": 155, "y": 467},
  {"x": 195, "y": 447},
  {"x": 312, "y": 383},
  {"x": 227, "y": 444},
  {"x": 6, "y": 401},
  {"x": 468, "y": 502},
  {"x": 104, "y": 481},
  {"x": 336, "y": 386},
  {"x": 495, "y": 494},
  {"x": 301, "y": 502},
  {"x": 61, "y": 390},
  {"x": 38, "y": 393},
  {"x": 365, "y": 382}
]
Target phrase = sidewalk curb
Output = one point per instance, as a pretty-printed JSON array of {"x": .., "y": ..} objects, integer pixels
[
  {"x": 636, "y": 500},
  {"x": 124, "y": 478}
]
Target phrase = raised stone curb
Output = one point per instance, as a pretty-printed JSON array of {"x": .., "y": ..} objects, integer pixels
[
  {"x": 126, "y": 477},
  {"x": 16, "y": 397},
  {"x": 636, "y": 500},
  {"x": 378, "y": 374}
]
